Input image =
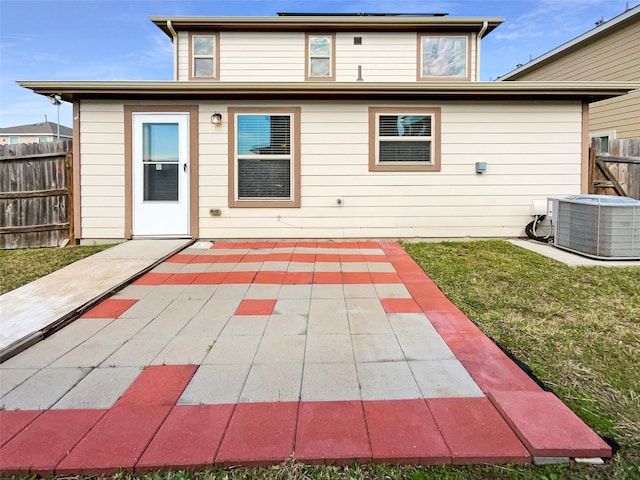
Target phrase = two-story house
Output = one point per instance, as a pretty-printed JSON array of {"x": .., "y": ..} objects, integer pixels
[{"x": 323, "y": 126}]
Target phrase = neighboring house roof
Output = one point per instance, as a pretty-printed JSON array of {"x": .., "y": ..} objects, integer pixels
[
  {"x": 586, "y": 91},
  {"x": 630, "y": 16},
  {"x": 44, "y": 128},
  {"x": 307, "y": 23}
]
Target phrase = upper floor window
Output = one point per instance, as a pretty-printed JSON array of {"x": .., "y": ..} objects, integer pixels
[
  {"x": 204, "y": 56},
  {"x": 320, "y": 57},
  {"x": 404, "y": 139},
  {"x": 443, "y": 57}
]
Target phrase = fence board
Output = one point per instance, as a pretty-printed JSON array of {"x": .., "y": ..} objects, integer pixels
[
  {"x": 34, "y": 194},
  {"x": 622, "y": 162}
]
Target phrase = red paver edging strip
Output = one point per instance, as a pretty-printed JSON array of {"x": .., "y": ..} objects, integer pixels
[
  {"x": 404, "y": 431},
  {"x": 13, "y": 421},
  {"x": 46, "y": 441},
  {"x": 259, "y": 434},
  {"x": 332, "y": 433},
  {"x": 188, "y": 439},
  {"x": 475, "y": 432},
  {"x": 547, "y": 426},
  {"x": 116, "y": 442}
]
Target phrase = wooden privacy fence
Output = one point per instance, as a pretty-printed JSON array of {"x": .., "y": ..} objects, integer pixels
[
  {"x": 616, "y": 172},
  {"x": 35, "y": 194}
]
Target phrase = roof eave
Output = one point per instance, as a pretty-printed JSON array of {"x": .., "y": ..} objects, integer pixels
[
  {"x": 329, "y": 23},
  {"x": 586, "y": 91}
]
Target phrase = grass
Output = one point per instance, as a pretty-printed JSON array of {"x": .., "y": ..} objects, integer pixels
[
  {"x": 578, "y": 329},
  {"x": 19, "y": 267}
]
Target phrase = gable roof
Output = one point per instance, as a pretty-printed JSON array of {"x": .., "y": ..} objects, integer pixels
[
  {"x": 628, "y": 17},
  {"x": 44, "y": 128},
  {"x": 329, "y": 22}
]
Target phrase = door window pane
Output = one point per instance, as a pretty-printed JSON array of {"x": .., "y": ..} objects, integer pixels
[
  {"x": 160, "y": 156},
  {"x": 160, "y": 142},
  {"x": 161, "y": 182}
]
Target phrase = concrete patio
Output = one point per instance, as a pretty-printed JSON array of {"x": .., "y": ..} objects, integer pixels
[{"x": 251, "y": 353}]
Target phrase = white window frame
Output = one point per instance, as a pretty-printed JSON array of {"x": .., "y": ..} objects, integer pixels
[{"x": 374, "y": 139}]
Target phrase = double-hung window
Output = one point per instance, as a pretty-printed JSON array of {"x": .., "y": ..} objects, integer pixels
[
  {"x": 404, "y": 139},
  {"x": 264, "y": 163},
  {"x": 204, "y": 57},
  {"x": 320, "y": 56}
]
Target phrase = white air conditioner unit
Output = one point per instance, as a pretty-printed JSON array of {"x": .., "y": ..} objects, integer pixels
[{"x": 598, "y": 226}]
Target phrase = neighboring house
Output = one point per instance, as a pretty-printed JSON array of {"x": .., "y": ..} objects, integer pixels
[
  {"x": 323, "y": 126},
  {"x": 36, "y": 133},
  {"x": 610, "y": 51}
]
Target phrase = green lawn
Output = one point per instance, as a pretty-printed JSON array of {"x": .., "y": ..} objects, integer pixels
[
  {"x": 578, "y": 329},
  {"x": 19, "y": 267}
]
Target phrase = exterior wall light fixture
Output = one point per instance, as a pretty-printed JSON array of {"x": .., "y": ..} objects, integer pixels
[{"x": 216, "y": 119}]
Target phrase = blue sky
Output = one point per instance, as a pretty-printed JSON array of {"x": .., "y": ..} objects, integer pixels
[{"x": 114, "y": 39}]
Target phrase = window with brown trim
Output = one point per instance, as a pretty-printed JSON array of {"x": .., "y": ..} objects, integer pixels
[
  {"x": 204, "y": 56},
  {"x": 444, "y": 57},
  {"x": 404, "y": 139},
  {"x": 264, "y": 157},
  {"x": 320, "y": 56}
]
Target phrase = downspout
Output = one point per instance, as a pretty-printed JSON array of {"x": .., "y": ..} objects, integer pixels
[
  {"x": 485, "y": 25},
  {"x": 174, "y": 39}
]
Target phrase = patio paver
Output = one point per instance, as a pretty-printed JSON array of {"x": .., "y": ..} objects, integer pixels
[{"x": 246, "y": 353}]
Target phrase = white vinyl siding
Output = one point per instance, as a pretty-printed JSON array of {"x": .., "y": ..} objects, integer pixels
[
  {"x": 262, "y": 56},
  {"x": 102, "y": 169},
  {"x": 532, "y": 149},
  {"x": 280, "y": 56},
  {"x": 184, "y": 63},
  {"x": 384, "y": 57}
]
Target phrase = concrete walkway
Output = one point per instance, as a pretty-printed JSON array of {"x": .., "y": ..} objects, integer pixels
[
  {"x": 29, "y": 311},
  {"x": 251, "y": 353}
]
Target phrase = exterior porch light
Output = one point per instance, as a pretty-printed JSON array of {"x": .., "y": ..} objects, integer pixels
[{"x": 216, "y": 119}]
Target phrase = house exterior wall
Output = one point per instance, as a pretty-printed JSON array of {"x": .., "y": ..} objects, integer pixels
[
  {"x": 612, "y": 57},
  {"x": 102, "y": 172},
  {"x": 280, "y": 56},
  {"x": 533, "y": 151}
]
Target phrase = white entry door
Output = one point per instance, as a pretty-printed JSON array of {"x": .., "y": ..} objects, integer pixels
[{"x": 160, "y": 174}]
